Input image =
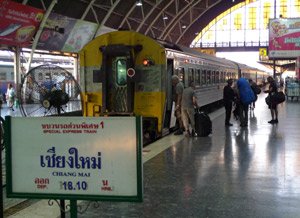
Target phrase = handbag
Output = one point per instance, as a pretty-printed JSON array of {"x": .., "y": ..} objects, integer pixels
[
  {"x": 279, "y": 97},
  {"x": 268, "y": 100}
]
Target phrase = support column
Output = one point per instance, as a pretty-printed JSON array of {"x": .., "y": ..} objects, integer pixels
[
  {"x": 17, "y": 72},
  {"x": 298, "y": 68}
]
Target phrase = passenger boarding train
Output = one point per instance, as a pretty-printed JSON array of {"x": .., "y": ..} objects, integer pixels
[{"x": 125, "y": 73}]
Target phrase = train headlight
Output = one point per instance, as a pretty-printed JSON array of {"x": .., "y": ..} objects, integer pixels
[{"x": 148, "y": 62}]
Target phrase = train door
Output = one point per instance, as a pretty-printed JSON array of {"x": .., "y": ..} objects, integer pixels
[
  {"x": 117, "y": 83},
  {"x": 169, "y": 120},
  {"x": 116, "y": 92}
]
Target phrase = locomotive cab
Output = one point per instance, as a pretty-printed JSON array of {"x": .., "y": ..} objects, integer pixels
[{"x": 123, "y": 73}]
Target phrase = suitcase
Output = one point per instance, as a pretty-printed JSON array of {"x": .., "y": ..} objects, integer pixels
[{"x": 203, "y": 124}]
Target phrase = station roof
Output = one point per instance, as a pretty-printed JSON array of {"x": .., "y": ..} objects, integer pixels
[{"x": 183, "y": 18}]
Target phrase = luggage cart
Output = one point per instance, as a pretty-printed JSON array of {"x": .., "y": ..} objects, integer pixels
[{"x": 292, "y": 90}]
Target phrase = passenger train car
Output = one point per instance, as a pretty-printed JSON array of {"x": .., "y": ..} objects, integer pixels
[
  {"x": 7, "y": 74},
  {"x": 126, "y": 73}
]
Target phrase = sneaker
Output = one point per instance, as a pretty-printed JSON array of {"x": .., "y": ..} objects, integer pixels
[
  {"x": 194, "y": 134},
  {"x": 271, "y": 121},
  {"x": 276, "y": 121}
]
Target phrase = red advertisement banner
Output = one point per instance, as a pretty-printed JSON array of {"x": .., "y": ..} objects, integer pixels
[
  {"x": 284, "y": 38},
  {"x": 18, "y": 23}
]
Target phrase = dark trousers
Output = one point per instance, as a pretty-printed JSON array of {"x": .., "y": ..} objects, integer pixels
[
  {"x": 228, "y": 109},
  {"x": 244, "y": 114}
]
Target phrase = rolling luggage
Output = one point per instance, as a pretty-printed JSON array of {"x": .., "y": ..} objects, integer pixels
[{"x": 203, "y": 124}]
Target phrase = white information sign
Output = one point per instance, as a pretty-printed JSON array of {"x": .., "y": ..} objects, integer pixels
[{"x": 86, "y": 157}]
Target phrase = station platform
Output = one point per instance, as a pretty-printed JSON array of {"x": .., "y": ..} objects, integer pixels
[{"x": 237, "y": 171}]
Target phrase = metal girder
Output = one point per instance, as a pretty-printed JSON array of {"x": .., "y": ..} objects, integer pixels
[
  {"x": 175, "y": 21},
  {"x": 127, "y": 15},
  {"x": 109, "y": 13},
  {"x": 95, "y": 15},
  {"x": 159, "y": 15},
  {"x": 26, "y": 1},
  {"x": 39, "y": 32},
  {"x": 149, "y": 13},
  {"x": 87, "y": 9},
  {"x": 193, "y": 20}
]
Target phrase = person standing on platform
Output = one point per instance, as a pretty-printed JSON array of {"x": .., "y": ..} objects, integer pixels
[
  {"x": 228, "y": 99},
  {"x": 10, "y": 96},
  {"x": 272, "y": 104},
  {"x": 245, "y": 98},
  {"x": 177, "y": 97},
  {"x": 188, "y": 104}
]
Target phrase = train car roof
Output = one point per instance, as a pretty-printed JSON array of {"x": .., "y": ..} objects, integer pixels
[
  {"x": 192, "y": 52},
  {"x": 208, "y": 57}
]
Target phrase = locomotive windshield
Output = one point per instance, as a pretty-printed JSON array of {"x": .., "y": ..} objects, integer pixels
[{"x": 121, "y": 68}]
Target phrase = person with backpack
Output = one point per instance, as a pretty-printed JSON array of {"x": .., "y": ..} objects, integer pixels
[{"x": 245, "y": 98}]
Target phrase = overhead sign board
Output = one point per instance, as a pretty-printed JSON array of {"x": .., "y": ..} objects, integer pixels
[
  {"x": 18, "y": 23},
  {"x": 284, "y": 38},
  {"x": 74, "y": 158},
  {"x": 73, "y": 36}
]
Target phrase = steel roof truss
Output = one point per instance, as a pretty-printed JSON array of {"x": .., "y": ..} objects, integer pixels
[
  {"x": 158, "y": 16},
  {"x": 178, "y": 18},
  {"x": 196, "y": 18},
  {"x": 112, "y": 7},
  {"x": 87, "y": 10},
  {"x": 125, "y": 19}
]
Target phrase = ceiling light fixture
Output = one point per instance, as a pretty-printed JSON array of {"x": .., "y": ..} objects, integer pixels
[
  {"x": 184, "y": 26},
  {"x": 139, "y": 3},
  {"x": 165, "y": 17}
]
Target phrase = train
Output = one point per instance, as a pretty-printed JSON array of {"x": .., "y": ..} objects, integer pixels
[
  {"x": 125, "y": 73},
  {"x": 7, "y": 74}
]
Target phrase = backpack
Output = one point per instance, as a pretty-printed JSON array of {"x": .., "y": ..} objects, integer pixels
[
  {"x": 247, "y": 95},
  {"x": 256, "y": 89}
]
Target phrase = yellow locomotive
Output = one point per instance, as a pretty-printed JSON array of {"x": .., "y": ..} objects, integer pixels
[{"x": 125, "y": 73}]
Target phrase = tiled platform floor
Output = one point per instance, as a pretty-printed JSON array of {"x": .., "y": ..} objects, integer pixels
[{"x": 235, "y": 172}]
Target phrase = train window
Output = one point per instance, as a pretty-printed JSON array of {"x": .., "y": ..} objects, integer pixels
[
  {"x": 213, "y": 74},
  {"x": 222, "y": 79},
  {"x": 180, "y": 73},
  {"x": 228, "y": 75},
  {"x": 190, "y": 76},
  {"x": 2, "y": 76},
  {"x": 121, "y": 72},
  {"x": 197, "y": 77},
  {"x": 203, "y": 77},
  {"x": 217, "y": 77},
  {"x": 208, "y": 77}
]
